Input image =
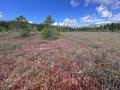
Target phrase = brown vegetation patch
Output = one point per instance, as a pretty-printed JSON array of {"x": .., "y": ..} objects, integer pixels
[{"x": 47, "y": 46}]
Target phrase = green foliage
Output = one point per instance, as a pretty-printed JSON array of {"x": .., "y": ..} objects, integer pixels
[
  {"x": 2, "y": 29},
  {"x": 18, "y": 25},
  {"x": 21, "y": 22},
  {"x": 35, "y": 28},
  {"x": 55, "y": 34},
  {"x": 45, "y": 33},
  {"x": 50, "y": 34},
  {"x": 24, "y": 32},
  {"x": 38, "y": 26},
  {"x": 4, "y": 26},
  {"x": 48, "y": 21},
  {"x": 20, "y": 18},
  {"x": 10, "y": 31}
]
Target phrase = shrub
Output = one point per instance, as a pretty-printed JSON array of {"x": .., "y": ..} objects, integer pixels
[
  {"x": 45, "y": 33},
  {"x": 50, "y": 34},
  {"x": 2, "y": 29},
  {"x": 10, "y": 31},
  {"x": 24, "y": 32},
  {"x": 55, "y": 34},
  {"x": 32, "y": 33}
]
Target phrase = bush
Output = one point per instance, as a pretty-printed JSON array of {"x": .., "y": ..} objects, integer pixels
[
  {"x": 24, "y": 32},
  {"x": 55, "y": 34},
  {"x": 50, "y": 34},
  {"x": 2, "y": 29},
  {"x": 10, "y": 31}
]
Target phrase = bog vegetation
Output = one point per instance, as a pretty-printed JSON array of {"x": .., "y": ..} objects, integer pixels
[{"x": 33, "y": 60}]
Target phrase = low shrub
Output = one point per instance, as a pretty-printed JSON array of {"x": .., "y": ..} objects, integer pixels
[
  {"x": 24, "y": 32},
  {"x": 10, "y": 31},
  {"x": 2, "y": 29},
  {"x": 45, "y": 33},
  {"x": 32, "y": 33},
  {"x": 50, "y": 34},
  {"x": 55, "y": 34}
]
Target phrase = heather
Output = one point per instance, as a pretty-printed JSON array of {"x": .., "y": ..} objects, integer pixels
[{"x": 75, "y": 61}]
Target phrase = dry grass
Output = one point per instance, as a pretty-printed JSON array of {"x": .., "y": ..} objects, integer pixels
[{"x": 77, "y": 61}]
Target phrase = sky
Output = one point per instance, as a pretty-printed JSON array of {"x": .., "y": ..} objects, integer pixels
[{"x": 72, "y": 13}]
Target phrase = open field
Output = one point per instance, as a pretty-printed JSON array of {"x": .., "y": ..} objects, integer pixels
[{"x": 77, "y": 61}]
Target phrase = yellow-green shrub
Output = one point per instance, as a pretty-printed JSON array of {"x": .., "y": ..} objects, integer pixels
[{"x": 50, "y": 34}]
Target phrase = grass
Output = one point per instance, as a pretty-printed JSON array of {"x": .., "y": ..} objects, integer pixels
[{"x": 77, "y": 61}]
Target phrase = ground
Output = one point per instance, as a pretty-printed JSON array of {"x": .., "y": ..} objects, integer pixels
[{"x": 76, "y": 61}]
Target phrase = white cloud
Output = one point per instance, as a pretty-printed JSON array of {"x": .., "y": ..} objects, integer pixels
[
  {"x": 67, "y": 22},
  {"x": 114, "y": 4},
  {"x": 93, "y": 20},
  {"x": 55, "y": 24},
  {"x": 116, "y": 18},
  {"x": 87, "y": 19},
  {"x": 30, "y": 21},
  {"x": 1, "y": 15},
  {"x": 90, "y": 20},
  {"x": 74, "y": 3},
  {"x": 101, "y": 2},
  {"x": 104, "y": 11}
]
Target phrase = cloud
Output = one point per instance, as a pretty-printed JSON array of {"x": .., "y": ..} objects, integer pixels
[
  {"x": 101, "y": 2},
  {"x": 74, "y": 3},
  {"x": 113, "y": 4},
  {"x": 87, "y": 19},
  {"x": 67, "y": 22},
  {"x": 116, "y": 18},
  {"x": 55, "y": 24},
  {"x": 104, "y": 11},
  {"x": 1, "y": 15},
  {"x": 30, "y": 21},
  {"x": 90, "y": 20}
]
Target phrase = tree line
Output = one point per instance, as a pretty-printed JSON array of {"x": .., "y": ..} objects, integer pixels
[{"x": 20, "y": 22}]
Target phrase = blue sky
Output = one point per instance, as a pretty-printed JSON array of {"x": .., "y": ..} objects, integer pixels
[{"x": 65, "y": 12}]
